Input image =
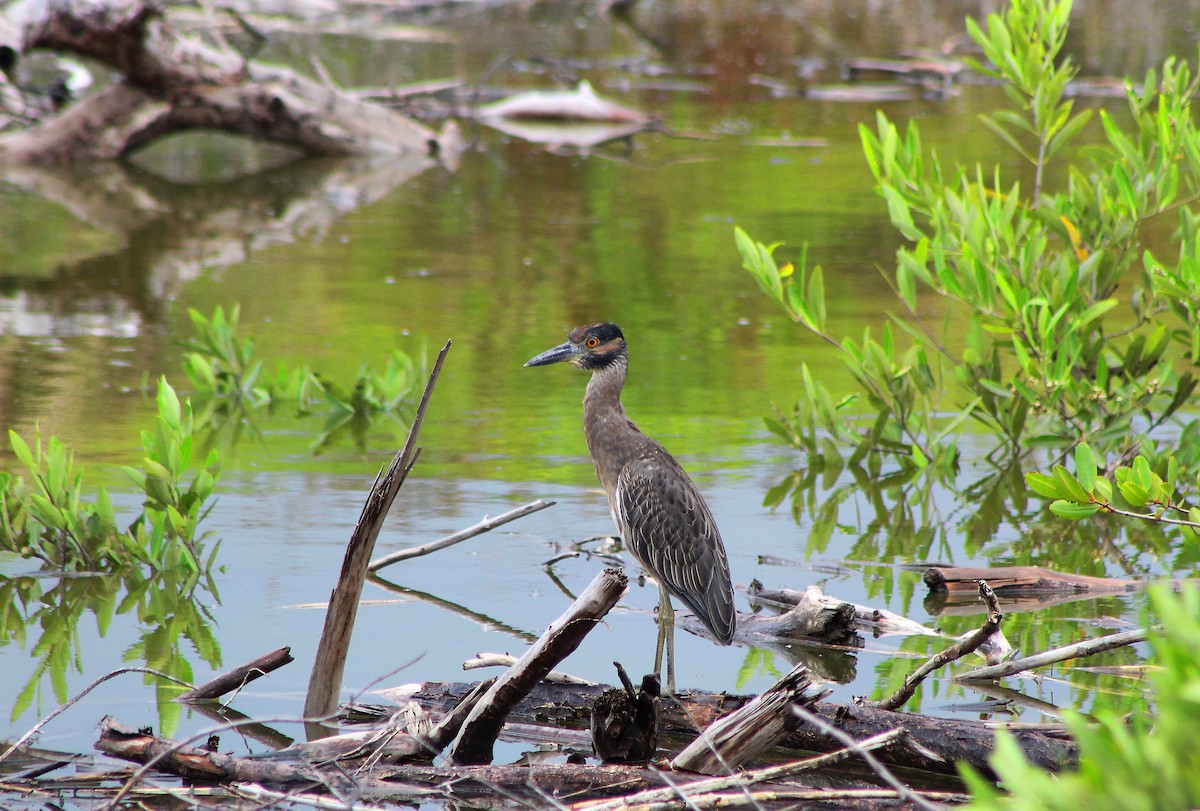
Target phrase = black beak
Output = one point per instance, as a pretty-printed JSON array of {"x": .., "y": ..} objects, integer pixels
[{"x": 556, "y": 355}]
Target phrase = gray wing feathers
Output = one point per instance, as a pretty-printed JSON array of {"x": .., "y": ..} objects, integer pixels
[{"x": 669, "y": 529}]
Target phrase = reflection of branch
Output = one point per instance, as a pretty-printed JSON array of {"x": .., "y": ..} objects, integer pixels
[
  {"x": 166, "y": 234},
  {"x": 246, "y": 725},
  {"x": 1016, "y": 698},
  {"x": 482, "y": 619}
]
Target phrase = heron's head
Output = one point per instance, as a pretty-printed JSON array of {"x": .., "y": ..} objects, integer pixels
[{"x": 591, "y": 347}]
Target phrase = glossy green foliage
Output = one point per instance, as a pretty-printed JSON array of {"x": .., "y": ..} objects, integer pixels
[
  {"x": 167, "y": 527},
  {"x": 44, "y": 514},
  {"x": 151, "y": 568},
  {"x": 1036, "y": 344},
  {"x": 1124, "y": 764},
  {"x": 1139, "y": 490}
]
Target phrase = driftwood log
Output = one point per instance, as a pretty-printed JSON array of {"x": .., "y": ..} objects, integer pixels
[
  {"x": 170, "y": 82},
  {"x": 481, "y": 786},
  {"x": 937, "y": 742},
  {"x": 1021, "y": 580}
]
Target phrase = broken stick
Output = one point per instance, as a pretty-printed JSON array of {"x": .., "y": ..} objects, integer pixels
[
  {"x": 953, "y": 653},
  {"x": 474, "y": 745},
  {"x": 748, "y": 731},
  {"x": 239, "y": 676},
  {"x": 330, "y": 660}
]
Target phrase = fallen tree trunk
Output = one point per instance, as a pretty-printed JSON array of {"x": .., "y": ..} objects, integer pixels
[
  {"x": 1020, "y": 580},
  {"x": 172, "y": 82},
  {"x": 938, "y": 742},
  {"x": 496, "y": 786}
]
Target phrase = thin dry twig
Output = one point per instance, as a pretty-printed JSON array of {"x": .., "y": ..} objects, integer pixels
[
  {"x": 964, "y": 646},
  {"x": 36, "y": 728},
  {"x": 1085, "y": 648},
  {"x": 884, "y": 773},
  {"x": 740, "y": 780},
  {"x": 508, "y": 660},
  {"x": 470, "y": 532}
]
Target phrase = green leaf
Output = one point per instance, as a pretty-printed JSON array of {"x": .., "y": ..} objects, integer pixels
[
  {"x": 1069, "y": 485},
  {"x": 1045, "y": 486},
  {"x": 21, "y": 450},
  {"x": 1072, "y": 511},
  {"x": 168, "y": 403},
  {"x": 1134, "y": 493},
  {"x": 1085, "y": 466}
]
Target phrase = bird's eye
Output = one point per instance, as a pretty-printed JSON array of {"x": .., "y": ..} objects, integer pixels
[{"x": 592, "y": 342}]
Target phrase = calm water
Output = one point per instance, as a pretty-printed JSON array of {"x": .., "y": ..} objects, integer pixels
[{"x": 335, "y": 263}]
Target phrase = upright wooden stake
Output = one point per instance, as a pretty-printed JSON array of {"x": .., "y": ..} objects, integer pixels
[{"x": 330, "y": 662}]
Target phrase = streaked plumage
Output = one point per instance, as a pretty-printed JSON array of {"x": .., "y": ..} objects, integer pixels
[{"x": 660, "y": 514}]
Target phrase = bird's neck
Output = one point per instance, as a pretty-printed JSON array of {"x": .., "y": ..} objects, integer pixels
[{"x": 605, "y": 425}]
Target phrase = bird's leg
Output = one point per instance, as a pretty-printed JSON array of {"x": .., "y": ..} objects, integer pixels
[{"x": 666, "y": 639}]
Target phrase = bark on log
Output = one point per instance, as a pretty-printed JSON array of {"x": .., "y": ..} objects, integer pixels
[
  {"x": 939, "y": 741},
  {"x": 744, "y": 734},
  {"x": 171, "y": 82},
  {"x": 487, "y": 786}
]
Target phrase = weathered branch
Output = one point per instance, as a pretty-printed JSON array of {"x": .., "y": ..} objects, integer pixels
[
  {"x": 966, "y": 645},
  {"x": 483, "y": 526},
  {"x": 329, "y": 662},
  {"x": 563, "y": 636},
  {"x": 1086, "y": 648},
  {"x": 239, "y": 676}
]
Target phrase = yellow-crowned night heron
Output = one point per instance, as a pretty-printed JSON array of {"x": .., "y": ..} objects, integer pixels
[{"x": 659, "y": 513}]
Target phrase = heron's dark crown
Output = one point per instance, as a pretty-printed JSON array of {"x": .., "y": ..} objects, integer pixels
[{"x": 601, "y": 346}]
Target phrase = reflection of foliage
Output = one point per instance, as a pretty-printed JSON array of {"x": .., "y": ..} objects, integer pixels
[
  {"x": 165, "y": 604},
  {"x": 157, "y": 561},
  {"x": 758, "y": 662},
  {"x": 227, "y": 374},
  {"x": 48, "y": 519},
  {"x": 1124, "y": 763},
  {"x": 1035, "y": 274}
]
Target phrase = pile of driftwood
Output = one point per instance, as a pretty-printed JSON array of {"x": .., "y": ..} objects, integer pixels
[{"x": 785, "y": 746}]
